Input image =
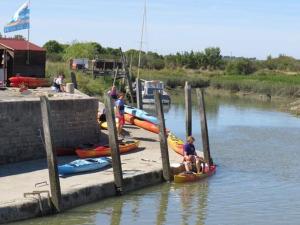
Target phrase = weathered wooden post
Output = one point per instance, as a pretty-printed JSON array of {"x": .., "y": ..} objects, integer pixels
[
  {"x": 163, "y": 138},
  {"x": 51, "y": 155},
  {"x": 74, "y": 80},
  {"x": 139, "y": 99},
  {"x": 113, "y": 144},
  {"x": 204, "y": 130},
  {"x": 188, "y": 109}
]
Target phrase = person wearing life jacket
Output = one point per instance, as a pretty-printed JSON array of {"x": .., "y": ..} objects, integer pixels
[{"x": 190, "y": 156}]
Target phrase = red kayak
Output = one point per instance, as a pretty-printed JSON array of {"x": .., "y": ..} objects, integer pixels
[{"x": 30, "y": 82}]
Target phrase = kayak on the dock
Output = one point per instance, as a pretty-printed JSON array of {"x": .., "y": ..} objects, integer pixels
[
  {"x": 103, "y": 125},
  {"x": 83, "y": 165},
  {"x": 192, "y": 177},
  {"x": 105, "y": 150},
  {"x": 30, "y": 82},
  {"x": 175, "y": 143},
  {"x": 140, "y": 114},
  {"x": 141, "y": 123}
]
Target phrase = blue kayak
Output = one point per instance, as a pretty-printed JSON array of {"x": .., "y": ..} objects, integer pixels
[
  {"x": 140, "y": 114},
  {"x": 83, "y": 165}
]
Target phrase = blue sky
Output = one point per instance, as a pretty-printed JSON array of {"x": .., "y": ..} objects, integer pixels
[{"x": 251, "y": 28}]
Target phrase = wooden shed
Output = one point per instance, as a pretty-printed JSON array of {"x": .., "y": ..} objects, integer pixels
[{"x": 17, "y": 56}]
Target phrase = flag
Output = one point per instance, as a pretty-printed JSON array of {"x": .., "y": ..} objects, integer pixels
[{"x": 20, "y": 20}]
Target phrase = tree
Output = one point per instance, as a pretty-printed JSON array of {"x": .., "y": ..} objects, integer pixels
[
  {"x": 53, "y": 46},
  {"x": 88, "y": 50},
  {"x": 241, "y": 67},
  {"x": 213, "y": 57}
]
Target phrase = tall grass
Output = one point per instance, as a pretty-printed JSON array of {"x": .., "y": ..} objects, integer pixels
[
  {"x": 279, "y": 85},
  {"x": 86, "y": 83},
  {"x": 264, "y": 83},
  {"x": 176, "y": 78}
]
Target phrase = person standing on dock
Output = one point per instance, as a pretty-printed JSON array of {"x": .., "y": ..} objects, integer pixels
[
  {"x": 120, "y": 107},
  {"x": 190, "y": 155},
  {"x": 113, "y": 93}
]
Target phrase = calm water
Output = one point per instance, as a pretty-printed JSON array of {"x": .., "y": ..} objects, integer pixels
[{"x": 257, "y": 181}]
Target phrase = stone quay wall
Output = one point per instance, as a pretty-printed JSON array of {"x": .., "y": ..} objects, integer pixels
[{"x": 21, "y": 132}]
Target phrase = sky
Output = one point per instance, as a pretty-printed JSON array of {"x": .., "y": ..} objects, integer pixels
[{"x": 249, "y": 28}]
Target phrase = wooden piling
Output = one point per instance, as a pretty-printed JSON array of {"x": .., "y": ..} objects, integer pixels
[
  {"x": 204, "y": 130},
  {"x": 74, "y": 80},
  {"x": 139, "y": 99},
  {"x": 163, "y": 138},
  {"x": 113, "y": 144},
  {"x": 51, "y": 154},
  {"x": 127, "y": 76},
  {"x": 188, "y": 109}
]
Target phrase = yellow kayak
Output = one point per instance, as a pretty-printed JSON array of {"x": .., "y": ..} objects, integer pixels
[
  {"x": 175, "y": 143},
  {"x": 103, "y": 125}
]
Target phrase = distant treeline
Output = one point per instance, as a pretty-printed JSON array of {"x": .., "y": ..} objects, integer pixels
[{"x": 209, "y": 59}]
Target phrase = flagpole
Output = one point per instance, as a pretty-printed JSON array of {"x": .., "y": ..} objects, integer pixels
[{"x": 28, "y": 37}]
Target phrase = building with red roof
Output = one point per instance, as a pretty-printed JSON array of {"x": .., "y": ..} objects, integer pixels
[{"x": 19, "y": 57}]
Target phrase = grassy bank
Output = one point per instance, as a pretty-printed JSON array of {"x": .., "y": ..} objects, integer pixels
[
  {"x": 86, "y": 83},
  {"x": 175, "y": 78},
  {"x": 274, "y": 84}
]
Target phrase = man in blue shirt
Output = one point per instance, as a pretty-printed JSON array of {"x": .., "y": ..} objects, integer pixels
[{"x": 190, "y": 155}]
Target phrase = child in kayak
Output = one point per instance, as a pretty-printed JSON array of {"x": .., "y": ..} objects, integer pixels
[
  {"x": 190, "y": 156},
  {"x": 120, "y": 107}
]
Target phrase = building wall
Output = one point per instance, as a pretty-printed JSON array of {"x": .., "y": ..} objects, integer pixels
[
  {"x": 36, "y": 66},
  {"x": 74, "y": 123}
]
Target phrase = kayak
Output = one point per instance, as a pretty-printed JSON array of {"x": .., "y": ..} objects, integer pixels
[
  {"x": 175, "y": 143},
  {"x": 140, "y": 114},
  {"x": 103, "y": 125},
  {"x": 192, "y": 177},
  {"x": 83, "y": 165},
  {"x": 105, "y": 150},
  {"x": 30, "y": 82},
  {"x": 141, "y": 123}
]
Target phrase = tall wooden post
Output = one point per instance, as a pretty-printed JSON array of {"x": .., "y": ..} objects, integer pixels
[
  {"x": 74, "y": 80},
  {"x": 204, "y": 130},
  {"x": 163, "y": 137},
  {"x": 51, "y": 155},
  {"x": 113, "y": 144},
  {"x": 128, "y": 79},
  {"x": 139, "y": 99},
  {"x": 5, "y": 66},
  {"x": 188, "y": 109}
]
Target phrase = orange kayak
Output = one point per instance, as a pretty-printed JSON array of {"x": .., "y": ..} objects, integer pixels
[
  {"x": 141, "y": 123},
  {"x": 105, "y": 150},
  {"x": 192, "y": 177}
]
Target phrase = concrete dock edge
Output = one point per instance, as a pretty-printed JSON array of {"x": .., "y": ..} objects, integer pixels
[{"x": 32, "y": 207}]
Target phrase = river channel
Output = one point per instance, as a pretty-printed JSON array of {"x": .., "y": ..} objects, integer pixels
[{"x": 257, "y": 182}]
